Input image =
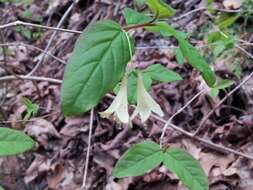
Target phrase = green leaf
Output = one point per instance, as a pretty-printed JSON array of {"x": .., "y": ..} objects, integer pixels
[
  {"x": 155, "y": 72},
  {"x": 14, "y": 142},
  {"x": 134, "y": 17},
  {"x": 27, "y": 2},
  {"x": 236, "y": 68},
  {"x": 225, "y": 42},
  {"x": 214, "y": 92},
  {"x": 179, "y": 56},
  {"x": 218, "y": 50},
  {"x": 226, "y": 20},
  {"x": 161, "y": 9},
  {"x": 209, "y": 2},
  {"x": 28, "y": 14},
  {"x": 221, "y": 86},
  {"x": 31, "y": 108},
  {"x": 1, "y": 188},
  {"x": 160, "y": 73},
  {"x": 189, "y": 52},
  {"x": 167, "y": 31},
  {"x": 140, "y": 2},
  {"x": 27, "y": 33},
  {"x": 187, "y": 169},
  {"x": 163, "y": 28},
  {"x": 197, "y": 61},
  {"x": 96, "y": 66},
  {"x": 224, "y": 84},
  {"x": 132, "y": 86},
  {"x": 138, "y": 160}
]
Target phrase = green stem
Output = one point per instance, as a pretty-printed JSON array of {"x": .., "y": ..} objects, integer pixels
[{"x": 130, "y": 27}]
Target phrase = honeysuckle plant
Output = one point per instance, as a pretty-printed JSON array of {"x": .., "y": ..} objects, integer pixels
[
  {"x": 145, "y": 103},
  {"x": 101, "y": 59},
  {"x": 14, "y": 142},
  {"x": 119, "y": 106}
]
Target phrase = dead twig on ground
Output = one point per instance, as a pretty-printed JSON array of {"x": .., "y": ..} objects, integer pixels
[
  {"x": 21, "y": 23},
  {"x": 88, "y": 151},
  {"x": 201, "y": 126},
  {"x": 52, "y": 38},
  {"x": 167, "y": 124},
  {"x": 34, "y": 48},
  {"x": 203, "y": 9},
  {"x": 34, "y": 78},
  {"x": 204, "y": 141}
]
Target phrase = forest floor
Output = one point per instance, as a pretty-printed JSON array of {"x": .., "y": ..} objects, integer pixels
[{"x": 58, "y": 160}]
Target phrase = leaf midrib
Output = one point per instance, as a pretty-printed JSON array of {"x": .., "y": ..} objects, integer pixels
[
  {"x": 146, "y": 157},
  {"x": 184, "y": 168},
  {"x": 97, "y": 66}
]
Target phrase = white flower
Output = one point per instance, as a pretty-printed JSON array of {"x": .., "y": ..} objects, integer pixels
[
  {"x": 119, "y": 106},
  {"x": 145, "y": 103}
]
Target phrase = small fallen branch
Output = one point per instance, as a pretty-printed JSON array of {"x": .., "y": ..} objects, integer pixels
[
  {"x": 33, "y": 78},
  {"x": 35, "y": 48},
  {"x": 186, "y": 133},
  {"x": 204, "y": 120},
  {"x": 205, "y": 142},
  {"x": 168, "y": 123},
  {"x": 88, "y": 151},
  {"x": 21, "y": 23}
]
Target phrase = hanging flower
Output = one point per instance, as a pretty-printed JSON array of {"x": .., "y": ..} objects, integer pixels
[
  {"x": 145, "y": 103},
  {"x": 119, "y": 106}
]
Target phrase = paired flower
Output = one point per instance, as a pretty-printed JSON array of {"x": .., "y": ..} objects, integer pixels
[
  {"x": 145, "y": 103},
  {"x": 119, "y": 106}
]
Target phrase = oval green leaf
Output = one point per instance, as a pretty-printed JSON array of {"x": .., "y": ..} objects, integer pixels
[
  {"x": 97, "y": 64},
  {"x": 162, "y": 74},
  {"x": 133, "y": 17},
  {"x": 14, "y": 142},
  {"x": 1, "y": 188},
  {"x": 189, "y": 52},
  {"x": 187, "y": 169},
  {"x": 160, "y": 8},
  {"x": 138, "y": 160},
  {"x": 197, "y": 61},
  {"x": 179, "y": 56}
]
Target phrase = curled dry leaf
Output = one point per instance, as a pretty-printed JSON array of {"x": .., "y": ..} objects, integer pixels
[
  {"x": 42, "y": 130},
  {"x": 211, "y": 160}
]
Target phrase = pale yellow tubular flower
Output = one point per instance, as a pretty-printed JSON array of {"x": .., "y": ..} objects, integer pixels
[
  {"x": 119, "y": 106},
  {"x": 145, "y": 103}
]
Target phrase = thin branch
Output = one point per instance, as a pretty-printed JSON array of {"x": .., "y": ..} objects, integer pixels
[
  {"x": 29, "y": 120},
  {"x": 198, "y": 46},
  {"x": 21, "y": 23},
  {"x": 189, "y": 13},
  {"x": 205, "y": 142},
  {"x": 33, "y": 78},
  {"x": 5, "y": 65},
  {"x": 245, "y": 42},
  {"x": 33, "y": 47},
  {"x": 3, "y": 48},
  {"x": 88, "y": 151},
  {"x": 175, "y": 47},
  {"x": 201, "y": 126},
  {"x": 130, "y": 27},
  {"x": 41, "y": 61},
  {"x": 244, "y": 51},
  {"x": 175, "y": 114},
  {"x": 202, "y": 9}
]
